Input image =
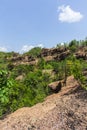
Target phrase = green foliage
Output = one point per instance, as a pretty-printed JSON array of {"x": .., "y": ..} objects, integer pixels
[
  {"x": 75, "y": 67},
  {"x": 41, "y": 63},
  {"x": 73, "y": 45},
  {"x": 21, "y": 70},
  {"x": 5, "y": 86},
  {"x": 14, "y": 94},
  {"x": 58, "y": 68},
  {"x": 35, "y": 52},
  {"x": 37, "y": 81}
]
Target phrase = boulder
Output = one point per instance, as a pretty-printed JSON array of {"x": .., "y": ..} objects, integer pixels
[{"x": 55, "y": 86}]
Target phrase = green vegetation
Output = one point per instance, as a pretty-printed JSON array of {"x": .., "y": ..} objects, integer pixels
[
  {"x": 25, "y": 84},
  {"x": 35, "y": 52}
]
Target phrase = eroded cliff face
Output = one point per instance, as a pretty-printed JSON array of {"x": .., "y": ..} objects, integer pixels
[
  {"x": 66, "y": 110},
  {"x": 57, "y": 54}
]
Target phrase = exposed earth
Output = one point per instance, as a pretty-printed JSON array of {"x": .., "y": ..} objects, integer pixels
[{"x": 66, "y": 110}]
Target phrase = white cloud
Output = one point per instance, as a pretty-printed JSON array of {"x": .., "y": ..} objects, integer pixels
[
  {"x": 26, "y": 48},
  {"x": 40, "y": 45},
  {"x": 68, "y": 15},
  {"x": 3, "y": 49}
]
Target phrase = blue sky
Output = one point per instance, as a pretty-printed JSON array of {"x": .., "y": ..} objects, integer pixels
[{"x": 25, "y": 24}]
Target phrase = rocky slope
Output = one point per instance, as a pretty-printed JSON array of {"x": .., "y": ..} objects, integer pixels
[{"x": 66, "y": 110}]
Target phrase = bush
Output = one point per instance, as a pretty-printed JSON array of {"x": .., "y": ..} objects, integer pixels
[
  {"x": 6, "y": 86},
  {"x": 35, "y": 52}
]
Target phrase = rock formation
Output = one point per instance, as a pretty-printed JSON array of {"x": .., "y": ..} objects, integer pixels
[
  {"x": 55, "y": 86},
  {"x": 57, "y": 54}
]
